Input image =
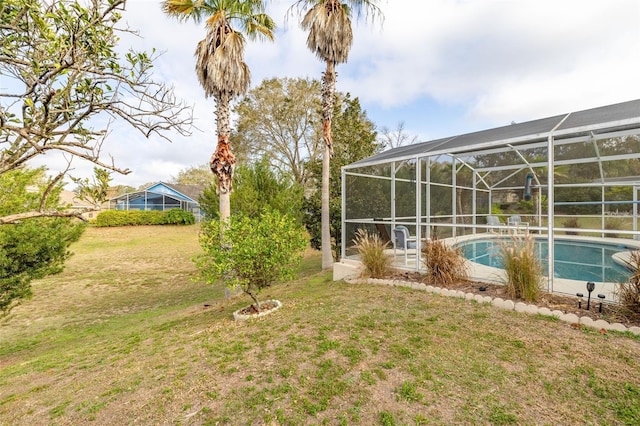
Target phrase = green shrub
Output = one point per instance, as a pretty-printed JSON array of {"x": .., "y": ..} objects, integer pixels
[
  {"x": 31, "y": 250},
  {"x": 571, "y": 222},
  {"x": 371, "y": 249},
  {"x": 628, "y": 293},
  {"x": 179, "y": 217},
  {"x": 251, "y": 252},
  {"x": 445, "y": 264},
  {"x": 257, "y": 187},
  {"x": 523, "y": 269},
  {"x": 142, "y": 217},
  {"x": 496, "y": 210}
]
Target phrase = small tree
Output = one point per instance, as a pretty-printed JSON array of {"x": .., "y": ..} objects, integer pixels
[
  {"x": 30, "y": 249},
  {"x": 253, "y": 252},
  {"x": 257, "y": 187},
  {"x": 96, "y": 190}
]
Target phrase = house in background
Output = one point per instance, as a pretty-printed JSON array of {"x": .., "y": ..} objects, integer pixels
[
  {"x": 161, "y": 196},
  {"x": 70, "y": 201}
]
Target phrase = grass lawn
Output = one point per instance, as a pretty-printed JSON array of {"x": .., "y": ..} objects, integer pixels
[{"x": 127, "y": 334}]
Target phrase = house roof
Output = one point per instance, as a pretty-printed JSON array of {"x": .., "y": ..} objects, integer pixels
[
  {"x": 625, "y": 114},
  {"x": 189, "y": 193}
]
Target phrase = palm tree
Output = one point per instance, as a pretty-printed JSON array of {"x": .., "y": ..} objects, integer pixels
[
  {"x": 221, "y": 69},
  {"x": 330, "y": 38}
]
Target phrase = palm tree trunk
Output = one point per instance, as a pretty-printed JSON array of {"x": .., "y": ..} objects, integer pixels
[
  {"x": 328, "y": 93},
  {"x": 223, "y": 161}
]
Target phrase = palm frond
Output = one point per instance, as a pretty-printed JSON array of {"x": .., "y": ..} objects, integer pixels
[
  {"x": 182, "y": 10},
  {"x": 330, "y": 34}
]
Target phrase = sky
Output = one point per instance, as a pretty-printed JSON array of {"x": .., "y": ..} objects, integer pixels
[{"x": 440, "y": 67}]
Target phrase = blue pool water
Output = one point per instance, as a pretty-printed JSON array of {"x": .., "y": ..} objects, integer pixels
[{"x": 574, "y": 260}]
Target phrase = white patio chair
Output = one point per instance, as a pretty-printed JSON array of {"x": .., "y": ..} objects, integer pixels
[
  {"x": 404, "y": 241},
  {"x": 494, "y": 224},
  {"x": 515, "y": 223}
]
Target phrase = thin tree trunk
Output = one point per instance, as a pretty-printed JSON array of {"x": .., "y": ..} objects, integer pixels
[
  {"x": 225, "y": 207},
  {"x": 327, "y": 254},
  {"x": 328, "y": 92},
  {"x": 255, "y": 299},
  {"x": 223, "y": 161}
]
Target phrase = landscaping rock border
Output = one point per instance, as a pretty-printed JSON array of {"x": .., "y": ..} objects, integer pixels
[
  {"x": 502, "y": 304},
  {"x": 239, "y": 317}
]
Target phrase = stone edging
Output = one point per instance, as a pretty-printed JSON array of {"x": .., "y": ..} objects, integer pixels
[
  {"x": 502, "y": 304},
  {"x": 238, "y": 316}
]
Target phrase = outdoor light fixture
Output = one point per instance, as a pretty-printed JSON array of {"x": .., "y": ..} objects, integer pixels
[
  {"x": 601, "y": 297},
  {"x": 527, "y": 186},
  {"x": 580, "y": 295},
  {"x": 590, "y": 287}
]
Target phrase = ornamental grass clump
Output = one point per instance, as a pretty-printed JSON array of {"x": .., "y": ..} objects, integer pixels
[
  {"x": 445, "y": 264},
  {"x": 571, "y": 222},
  {"x": 523, "y": 268},
  {"x": 628, "y": 293},
  {"x": 371, "y": 249},
  {"x": 613, "y": 224}
]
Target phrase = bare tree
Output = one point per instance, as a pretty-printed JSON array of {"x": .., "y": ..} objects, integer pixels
[
  {"x": 281, "y": 120},
  {"x": 395, "y": 138},
  {"x": 196, "y": 175},
  {"x": 64, "y": 84}
]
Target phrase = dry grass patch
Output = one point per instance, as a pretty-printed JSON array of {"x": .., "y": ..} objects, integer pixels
[{"x": 335, "y": 353}]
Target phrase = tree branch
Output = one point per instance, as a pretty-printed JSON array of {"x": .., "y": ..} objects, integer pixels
[
  {"x": 78, "y": 77},
  {"x": 14, "y": 218}
]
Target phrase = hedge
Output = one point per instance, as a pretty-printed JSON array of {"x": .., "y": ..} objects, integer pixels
[{"x": 142, "y": 217}]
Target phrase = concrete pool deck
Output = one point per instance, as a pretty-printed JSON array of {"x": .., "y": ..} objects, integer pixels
[
  {"x": 559, "y": 285},
  {"x": 351, "y": 267}
]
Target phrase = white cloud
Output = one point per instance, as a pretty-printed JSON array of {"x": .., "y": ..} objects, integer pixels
[
  {"x": 487, "y": 61},
  {"x": 464, "y": 51}
]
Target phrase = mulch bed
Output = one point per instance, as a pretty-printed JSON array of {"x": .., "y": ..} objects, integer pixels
[
  {"x": 611, "y": 313},
  {"x": 265, "y": 306}
]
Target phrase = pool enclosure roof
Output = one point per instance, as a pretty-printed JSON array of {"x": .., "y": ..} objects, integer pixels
[
  {"x": 592, "y": 121},
  {"x": 579, "y": 165}
]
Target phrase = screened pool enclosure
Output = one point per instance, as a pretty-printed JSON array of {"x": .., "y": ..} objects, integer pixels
[{"x": 575, "y": 175}]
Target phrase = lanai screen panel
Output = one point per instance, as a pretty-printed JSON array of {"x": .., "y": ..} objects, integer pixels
[{"x": 458, "y": 181}]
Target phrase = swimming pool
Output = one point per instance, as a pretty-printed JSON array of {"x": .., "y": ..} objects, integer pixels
[{"x": 573, "y": 259}]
